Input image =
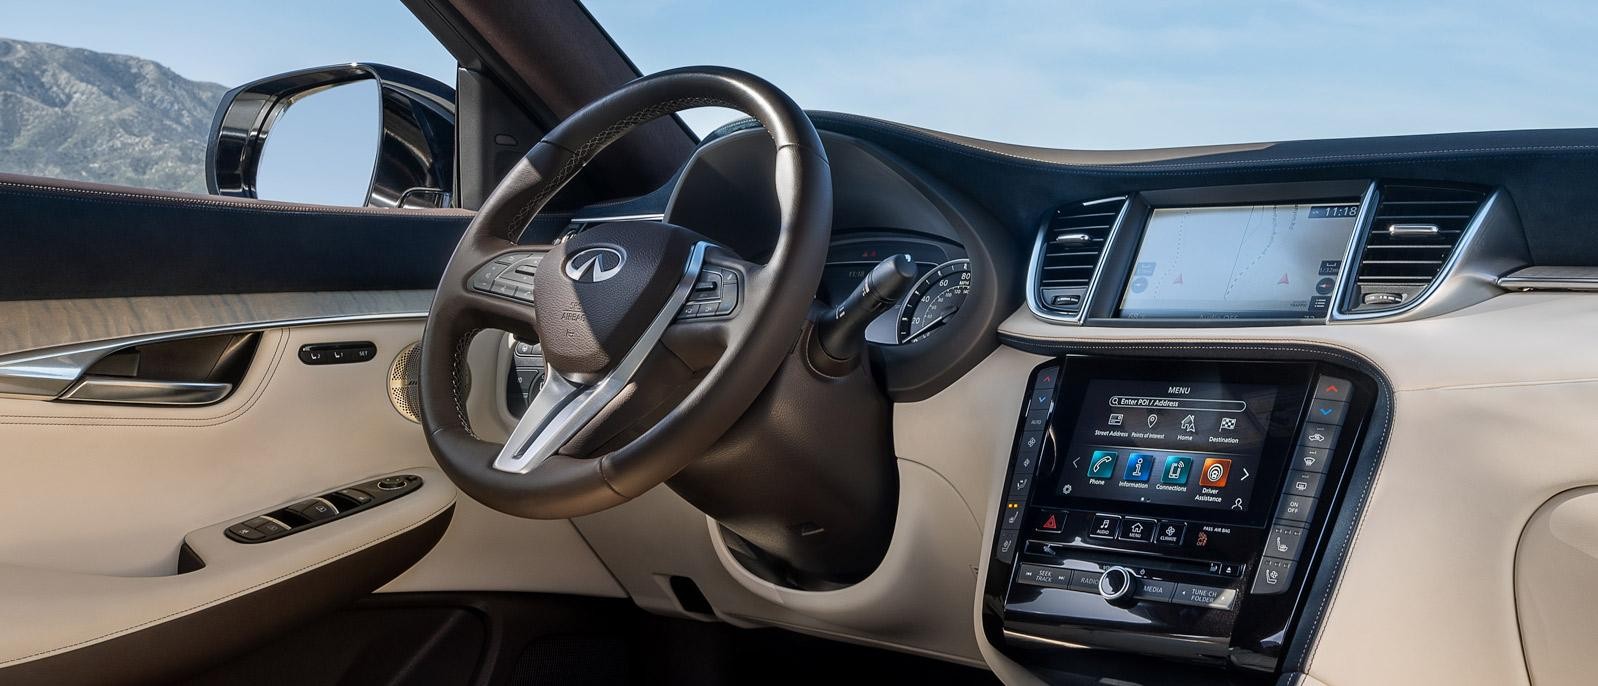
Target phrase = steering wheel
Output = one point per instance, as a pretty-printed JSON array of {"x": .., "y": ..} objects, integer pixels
[{"x": 601, "y": 302}]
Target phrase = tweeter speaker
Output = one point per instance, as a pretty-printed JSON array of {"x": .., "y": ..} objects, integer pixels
[{"x": 405, "y": 382}]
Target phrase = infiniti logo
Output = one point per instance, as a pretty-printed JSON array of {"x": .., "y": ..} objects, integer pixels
[{"x": 593, "y": 265}]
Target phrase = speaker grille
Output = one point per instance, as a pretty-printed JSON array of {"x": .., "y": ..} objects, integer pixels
[{"x": 404, "y": 382}]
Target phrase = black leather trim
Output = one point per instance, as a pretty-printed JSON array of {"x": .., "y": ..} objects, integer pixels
[
  {"x": 68, "y": 239},
  {"x": 174, "y": 648},
  {"x": 1364, "y": 471}
]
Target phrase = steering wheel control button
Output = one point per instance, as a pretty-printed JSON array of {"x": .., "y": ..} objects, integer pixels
[
  {"x": 1284, "y": 542},
  {"x": 1273, "y": 577},
  {"x": 1306, "y": 484},
  {"x": 1332, "y": 388},
  {"x": 715, "y": 293},
  {"x": 1319, "y": 436},
  {"x": 1138, "y": 529},
  {"x": 1311, "y": 459},
  {"x": 1104, "y": 526},
  {"x": 1204, "y": 596},
  {"x": 1118, "y": 584},
  {"x": 1295, "y": 508},
  {"x": 1155, "y": 589}
]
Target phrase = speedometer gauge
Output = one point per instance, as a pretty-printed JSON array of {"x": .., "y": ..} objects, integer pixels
[{"x": 935, "y": 297}]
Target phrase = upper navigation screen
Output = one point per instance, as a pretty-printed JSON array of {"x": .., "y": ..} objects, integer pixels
[{"x": 1253, "y": 262}]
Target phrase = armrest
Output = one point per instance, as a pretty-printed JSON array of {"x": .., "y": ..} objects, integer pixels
[{"x": 64, "y": 627}]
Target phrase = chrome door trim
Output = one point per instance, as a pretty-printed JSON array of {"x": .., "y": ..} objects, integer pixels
[{"x": 47, "y": 373}]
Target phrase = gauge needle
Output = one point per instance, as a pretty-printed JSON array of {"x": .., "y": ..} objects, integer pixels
[{"x": 934, "y": 322}]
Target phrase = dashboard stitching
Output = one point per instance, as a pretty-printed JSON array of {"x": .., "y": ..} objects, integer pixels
[{"x": 1350, "y": 538}]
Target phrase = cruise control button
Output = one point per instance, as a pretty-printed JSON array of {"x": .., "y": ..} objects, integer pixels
[
  {"x": 1155, "y": 589},
  {"x": 1296, "y": 508},
  {"x": 1311, "y": 459},
  {"x": 1332, "y": 388},
  {"x": 1284, "y": 542},
  {"x": 1303, "y": 483},
  {"x": 1273, "y": 577},
  {"x": 1319, "y": 436},
  {"x": 1204, "y": 596},
  {"x": 1137, "y": 529},
  {"x": 1171, "y": 533},
  {"x": 1327, "y": 411},
  {"x": 1105, "y": 526}
]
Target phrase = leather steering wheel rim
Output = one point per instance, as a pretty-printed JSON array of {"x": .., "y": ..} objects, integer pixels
[{"x": 775, "y": 301}]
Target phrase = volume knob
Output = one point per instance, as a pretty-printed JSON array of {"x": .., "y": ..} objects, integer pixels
[{"x": 1117, "y": 585}]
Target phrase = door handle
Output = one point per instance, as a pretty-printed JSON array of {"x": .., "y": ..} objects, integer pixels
[{"x": 110, "y": 389}]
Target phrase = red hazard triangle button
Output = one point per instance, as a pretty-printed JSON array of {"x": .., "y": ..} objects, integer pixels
[{"x": 1053, "y": 523}]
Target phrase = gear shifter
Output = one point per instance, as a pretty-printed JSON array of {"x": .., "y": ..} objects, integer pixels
[{"x": 840, "y": 335}]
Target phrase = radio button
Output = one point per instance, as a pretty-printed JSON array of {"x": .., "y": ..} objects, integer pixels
[
  {"x": 1171, "y": 533},
  {"x": 1273, "y": 577},
  {"x": 1138, "y": 529},
  {"x": 1084, "y": 581},
  {"x": 1105, "y": 526},
  {"x": 1296, "y": 508},
  {"x": 1204, "y": 596}
]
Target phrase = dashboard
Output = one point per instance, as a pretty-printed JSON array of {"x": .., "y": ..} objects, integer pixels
[{"x": 1209, "y": 415}]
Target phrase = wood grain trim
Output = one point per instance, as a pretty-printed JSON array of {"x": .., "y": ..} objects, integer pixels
[{"x": 31, "y": 324}]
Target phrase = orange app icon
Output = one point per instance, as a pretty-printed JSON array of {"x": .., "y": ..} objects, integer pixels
[{"x": 1215, "y": 472}]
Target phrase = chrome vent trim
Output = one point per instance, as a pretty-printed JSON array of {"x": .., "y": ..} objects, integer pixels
[
  {"x": 1068, "y": 256},
  {"x": 1410, "y": 245}
]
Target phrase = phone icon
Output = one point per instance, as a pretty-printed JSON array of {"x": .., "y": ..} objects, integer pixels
[{"x": 1102, "y": 464}]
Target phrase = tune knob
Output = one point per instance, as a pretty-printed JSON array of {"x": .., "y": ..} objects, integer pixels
[{"x": 1117, "y": 585}]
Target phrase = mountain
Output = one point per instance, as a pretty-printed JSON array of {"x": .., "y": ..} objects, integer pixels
[{"x": 78, "y": 114}]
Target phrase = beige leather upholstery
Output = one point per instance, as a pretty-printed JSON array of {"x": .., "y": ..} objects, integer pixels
[{"x": 1556, "y": 572}]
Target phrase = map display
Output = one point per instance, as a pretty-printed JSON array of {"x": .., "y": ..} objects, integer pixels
[{"x": 1258, "y": 261}]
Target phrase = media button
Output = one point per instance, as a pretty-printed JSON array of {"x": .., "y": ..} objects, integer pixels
[
  {"x": 1104, "y": 526},
  {"x": 1154, "y": 589},
  {"x": 1295, "y": 508},
  {"x": 1138, "y": 529},
  {"x": 1319, "y": 436},
  {"x": 1102, "y": 464},
  {"x": 1216, "y": 470},
  {"x": 1171, "y": 533},
  {"x": 1327, "y": 411},
  {"x": 1138, "y": 467},
  {"x": 1303, "y": 483},
  {"x": 1311, "y": 459},
  {"x": 1176, "y": 469},
  {"x": 1332, "y": 388}
]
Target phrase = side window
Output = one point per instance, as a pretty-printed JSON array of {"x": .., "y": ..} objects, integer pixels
[{"x": 133, "y": 98}]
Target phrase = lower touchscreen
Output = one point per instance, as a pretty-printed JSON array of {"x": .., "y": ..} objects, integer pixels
[{"x": 1185, "y": 445}]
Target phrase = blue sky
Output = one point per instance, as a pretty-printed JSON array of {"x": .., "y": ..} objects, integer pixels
[{"x": 1083, "y": 73}]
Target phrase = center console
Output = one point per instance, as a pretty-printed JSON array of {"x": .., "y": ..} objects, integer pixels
[{"x": 1168, "y": 513}]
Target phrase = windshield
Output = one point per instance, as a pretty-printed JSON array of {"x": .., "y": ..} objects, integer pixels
[{"x": 1142, "y": 74}]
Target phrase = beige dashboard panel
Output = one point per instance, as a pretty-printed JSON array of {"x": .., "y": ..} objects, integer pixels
[
  {"x": 1488, "y": 403},
  {"x": 1556, "y": 569},
  {"x": 111, "y": 490}
]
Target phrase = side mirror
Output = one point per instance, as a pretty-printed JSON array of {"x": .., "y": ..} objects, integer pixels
[{"x": 413, "y": 164}]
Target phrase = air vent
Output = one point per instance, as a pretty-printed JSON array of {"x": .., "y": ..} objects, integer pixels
[
  {"x": 1413, "y": 233},
  {"x": 1069, "y": 253}
]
